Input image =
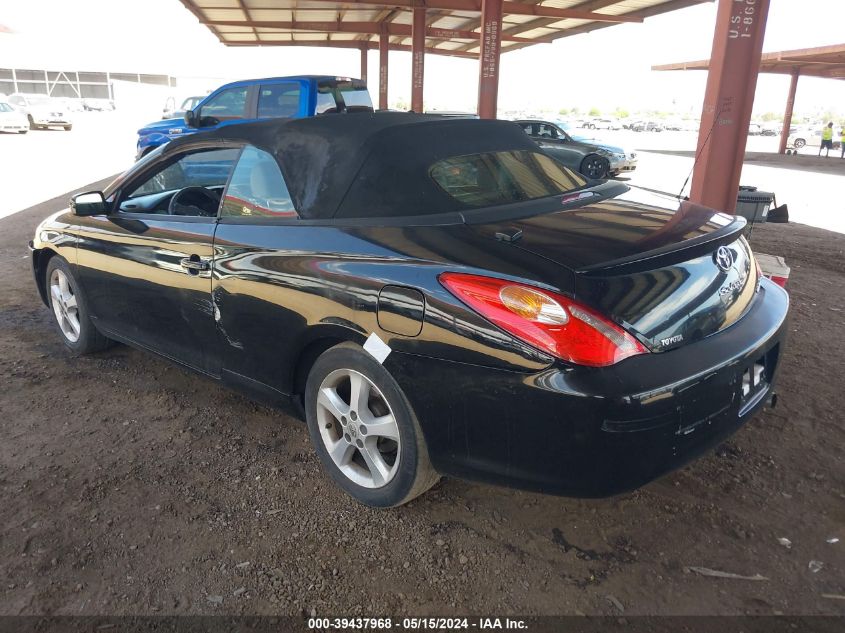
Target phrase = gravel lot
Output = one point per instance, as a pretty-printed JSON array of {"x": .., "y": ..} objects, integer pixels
[{"x": 128, "y": 486}]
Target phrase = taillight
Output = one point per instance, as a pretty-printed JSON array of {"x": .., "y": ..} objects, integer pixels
[{"x": 548, "y": 321}]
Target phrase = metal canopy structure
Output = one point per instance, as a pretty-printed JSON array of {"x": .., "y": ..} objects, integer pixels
[
  {"x": 826, "y": 62},
  {"x": 476, "y": 29}
]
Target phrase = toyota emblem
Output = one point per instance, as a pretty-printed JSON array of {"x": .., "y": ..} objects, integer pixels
[{"x": 724, "y": 258}]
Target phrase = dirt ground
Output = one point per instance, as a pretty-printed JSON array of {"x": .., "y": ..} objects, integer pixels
[{"x": 128, "y": 486}]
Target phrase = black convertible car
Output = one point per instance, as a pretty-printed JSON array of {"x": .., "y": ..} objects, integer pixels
[{"x": 438, "y": 297}]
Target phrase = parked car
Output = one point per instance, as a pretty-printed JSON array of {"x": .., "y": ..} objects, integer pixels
[
  {"x": 621, "y": 159},
  {"x": 438, "y": 295},
  {"x": 255, "y": 99},
  {"x": 41, "y": 111},
  {"x": 755, "y": 129},
  {"x": 810, "y": 137},
  {"x": 587, "y": 159},
  {"x": 603, "y": 124},
  {"x": 97, "y": 105},
  {"x": 170, "y": 110},
  {"x": 771, "y": 130},
  {"x": 11, "y": 120},
  {"x": 647, "y": 126}
]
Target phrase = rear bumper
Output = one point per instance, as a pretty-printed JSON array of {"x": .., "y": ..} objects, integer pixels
[{"x": 595, "y": 432}]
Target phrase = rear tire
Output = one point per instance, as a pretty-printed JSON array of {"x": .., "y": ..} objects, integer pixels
[
  {"x": 364, "y": 430},
  {"x": 68, "y": 128},
  {"x": 70, "y": 310},
  {"x": 799, "y": 143}
]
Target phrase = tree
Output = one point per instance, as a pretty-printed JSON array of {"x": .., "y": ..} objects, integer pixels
[
  {"x": 595, "y": 112},
  {"x": 621, "y": 113},
  {"x": 563, "y": 111}
]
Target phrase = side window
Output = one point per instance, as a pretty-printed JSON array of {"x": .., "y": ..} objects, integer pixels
[
  {"x": 325, "y": 102},
  {"x": 257, "y": 188},
  {"x": 547, "y": 131},
  {"x": 528, "y": 129},
  {"x": 192, "y": 185},
  {"x": 278, "y": 100},
  {"x": 229, "y": 104}
]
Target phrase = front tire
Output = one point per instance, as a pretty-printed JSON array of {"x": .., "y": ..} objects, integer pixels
[
  {"x": 595, "y": 167},
  {"x": 68, "y": 128},
  {"x": 70, "y": 310},
  {"x": 799, "y": 143},
  {"x": 364, "y": 430}
]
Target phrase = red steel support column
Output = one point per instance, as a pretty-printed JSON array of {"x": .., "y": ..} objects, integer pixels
[
  {"x": 491, "y": 46},
  {"x": 383, "y": 48},
  {"x": 364, "y": 51},
  {"x": 731, "y": 82},
  {"x": 787, "y": 115},
  {"x": 418, "y": 27}
]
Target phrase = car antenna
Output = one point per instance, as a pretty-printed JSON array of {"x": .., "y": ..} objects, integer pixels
[{"x": 681, "y": 195}]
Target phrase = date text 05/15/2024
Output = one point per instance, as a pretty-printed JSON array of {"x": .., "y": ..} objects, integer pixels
[{"x": 413, "y": 624}]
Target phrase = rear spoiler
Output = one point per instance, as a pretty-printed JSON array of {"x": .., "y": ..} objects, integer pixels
[{"x": 665, "y": 255}]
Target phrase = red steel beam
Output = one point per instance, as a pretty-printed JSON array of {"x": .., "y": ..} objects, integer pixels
[
  {"x": 370, "y": 28},
  {"x": 508, "y": 8},
  {"x": 787, "y": 115},
  {"x": 488, "y": 62},
  {"x": 383, "y": 50},
  {"x": 356, "y": 44},
  {"x": 364, "y": 50},
  {"x": 418, "y": 29},
  {"x": 731, "y": 82}
]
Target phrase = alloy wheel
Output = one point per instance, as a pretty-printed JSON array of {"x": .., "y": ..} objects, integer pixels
[
  {"x": 594, "y": 168},
  {"x": 358, "y": 428},
  {"x": 65, "y": 307}
]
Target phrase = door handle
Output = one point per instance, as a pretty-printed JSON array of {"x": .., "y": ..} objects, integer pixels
[{"x": 193, "y": 264}]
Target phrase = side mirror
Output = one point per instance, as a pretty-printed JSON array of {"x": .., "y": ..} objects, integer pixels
[
  {"x": 191, "y": 118},
  {"x": 88, "y": 203}
]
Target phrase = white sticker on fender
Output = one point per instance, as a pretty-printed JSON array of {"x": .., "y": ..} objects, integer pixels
[{"x": 377, "y": 348}]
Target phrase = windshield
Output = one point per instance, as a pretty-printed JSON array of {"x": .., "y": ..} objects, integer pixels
[
  {"x": 495, "y": 178},
  {"x": 39, "y": 100},
  {"x": 190, "y": 103},
  {"x": 5, "y": 107}
]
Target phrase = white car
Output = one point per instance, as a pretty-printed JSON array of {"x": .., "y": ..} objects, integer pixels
[
  {"x": 11, "y": 120},
  {"x": 812, "y": 137},
  {"x": 41, "y": 111},
  {"x": 603, "y": 124}
]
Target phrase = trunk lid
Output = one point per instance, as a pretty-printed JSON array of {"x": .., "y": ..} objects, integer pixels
[{"x": 669, "y": 275}]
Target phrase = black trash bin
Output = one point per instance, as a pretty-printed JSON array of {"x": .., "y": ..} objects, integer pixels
[{"x": 754, "y": 205}]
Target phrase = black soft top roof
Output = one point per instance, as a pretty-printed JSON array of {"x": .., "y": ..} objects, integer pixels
[{"x": 368, "y": 164}]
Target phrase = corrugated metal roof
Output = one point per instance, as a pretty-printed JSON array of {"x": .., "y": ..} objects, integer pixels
[{"x": 454, "y": 25}]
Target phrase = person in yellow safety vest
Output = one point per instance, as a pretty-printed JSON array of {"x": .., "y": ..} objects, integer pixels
[{"x": 827, "y": 139}]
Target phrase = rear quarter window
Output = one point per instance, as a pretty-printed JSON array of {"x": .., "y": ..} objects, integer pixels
[{"x": 495, "y": 178}]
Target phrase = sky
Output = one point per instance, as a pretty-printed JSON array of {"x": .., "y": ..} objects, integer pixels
[{"x": 606, "y": 69}]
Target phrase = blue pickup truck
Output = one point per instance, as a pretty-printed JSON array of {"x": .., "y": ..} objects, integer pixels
[{"x": 253, "y": 99}]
